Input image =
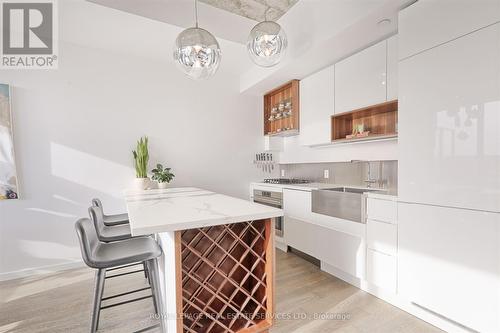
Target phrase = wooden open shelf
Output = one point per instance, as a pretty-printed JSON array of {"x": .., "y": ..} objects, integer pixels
[
  {"x": 284, "y": 122},
  {"x": 380, "y": 120},
  {"x": 227, "y": 278}
]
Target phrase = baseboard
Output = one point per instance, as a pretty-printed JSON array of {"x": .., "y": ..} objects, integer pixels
[
  {"x": 40, "y": 270},
  {"x": 355, "y": 281},
  {"x": 396, "y": 300}
]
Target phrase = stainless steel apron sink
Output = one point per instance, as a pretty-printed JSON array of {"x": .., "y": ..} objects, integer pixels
[{"x": 343, "y": 202}]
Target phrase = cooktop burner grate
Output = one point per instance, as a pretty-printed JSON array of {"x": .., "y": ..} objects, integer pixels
[{"x": 285, "y": 181}]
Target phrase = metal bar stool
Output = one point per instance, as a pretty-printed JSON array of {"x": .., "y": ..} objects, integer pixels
[
  {"x": 114, "y": 233},
  {"x": 111, "y": 220},
  {"x": 106, "y": 256}
]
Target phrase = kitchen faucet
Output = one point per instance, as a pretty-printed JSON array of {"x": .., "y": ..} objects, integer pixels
[{"x": 369, "y": 181}]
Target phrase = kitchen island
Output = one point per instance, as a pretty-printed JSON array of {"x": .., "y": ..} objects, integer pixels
[{"x": 217, "y": 267}]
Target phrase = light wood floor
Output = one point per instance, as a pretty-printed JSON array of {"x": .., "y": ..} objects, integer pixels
[{"x": 61, "y": 303}]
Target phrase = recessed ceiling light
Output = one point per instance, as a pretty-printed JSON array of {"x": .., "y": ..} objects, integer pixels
[{"x": 384, "y": 22}]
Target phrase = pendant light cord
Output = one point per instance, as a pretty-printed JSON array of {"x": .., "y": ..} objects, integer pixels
[{"x": 196, "y": 12}]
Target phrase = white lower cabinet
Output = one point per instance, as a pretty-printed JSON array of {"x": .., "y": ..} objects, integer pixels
[
  {"x": 381, "y": 210},
  {"x": 301, "y": 235},
  {"x": 297, "y": 204},
  {"x": 449, "y": 263},
  {"x": 382, "y": 237},
  {"x": 381, "y": 270},
  {"x": 339, "y": 249},
  {"x": 309, "y": 233},
  {"x": 382, "y": 244}
]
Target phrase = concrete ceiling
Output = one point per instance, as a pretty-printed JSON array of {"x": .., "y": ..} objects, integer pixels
[
  {"x": 222, "y": 23},
  {"x": 257, "y": 10}
]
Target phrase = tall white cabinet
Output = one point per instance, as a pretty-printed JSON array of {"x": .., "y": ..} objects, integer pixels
[
  {"x": 449, "y": 263},
  {"x": 449, "y": 160},
  {"x": 429, "y": 23},
  {"x": 449, "y": 121}
]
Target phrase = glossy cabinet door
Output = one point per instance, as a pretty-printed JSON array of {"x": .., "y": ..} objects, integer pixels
[
  {"x": 449, "y": 123},
  {"x": 302, "y": 235},
  {"x": 297, "y": 204},
  {"x": 316, "y": 107},
  {"x": 381, "y": 270},
  {"x": 341, "y": 250},
  {"x": 392, "y": 68},
  {"x": 360, "y": 80},
  {"x": 428, "y": 23},
  {"x": 449, "y": 263}
]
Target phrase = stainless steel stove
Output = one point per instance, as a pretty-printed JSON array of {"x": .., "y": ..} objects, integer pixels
[{"x": 285, "y": 181}]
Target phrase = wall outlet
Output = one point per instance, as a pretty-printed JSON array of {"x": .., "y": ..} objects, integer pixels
[
  {"x": 326, "y": 174},
  {"x": 282, "y": 172}
]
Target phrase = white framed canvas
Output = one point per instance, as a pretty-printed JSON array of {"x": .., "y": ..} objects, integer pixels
[{"x": 8, "y": 174}]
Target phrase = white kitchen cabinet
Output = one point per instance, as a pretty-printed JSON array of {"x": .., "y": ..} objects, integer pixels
[
  {"x": 340, "y": 243},
  {"x": 449, "y": 263},
  {"x": 381, "y": 270},
  {"x": 392, "y": 68},
  {"x": 428, "y": 23},
  {"x": 297, "y": 204},
  {"x": 382, "y": 210},
  {"x": 302, "y": 235},
  {"x": 338, "y": 249},
  {"x": 382, "y": 237},
  {"x": 360, "y": 80},
  {"x": 316, "y": 107},
  {"x": 382, "y": 243},
  {"x": 449, "y": 120}
]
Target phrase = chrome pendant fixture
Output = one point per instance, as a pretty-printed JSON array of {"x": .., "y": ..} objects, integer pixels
[
  {"x": 196, "y": 51},
  {"x": 267, "y": 43}
]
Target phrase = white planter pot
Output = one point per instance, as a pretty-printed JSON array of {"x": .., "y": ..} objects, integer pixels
[
  {"x": 141, "y": 183},
  {"x": 162, "y": 185}
]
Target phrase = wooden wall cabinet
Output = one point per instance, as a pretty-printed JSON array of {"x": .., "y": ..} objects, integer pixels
[
  {"x": 379, "y": 121},
  {"x": 281, "y": 110}
]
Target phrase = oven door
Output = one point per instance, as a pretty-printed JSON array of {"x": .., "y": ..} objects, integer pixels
[{"x": 273, "y": 199}]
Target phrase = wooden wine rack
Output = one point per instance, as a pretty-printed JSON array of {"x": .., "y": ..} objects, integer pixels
[{"x": 227, "y": 277}]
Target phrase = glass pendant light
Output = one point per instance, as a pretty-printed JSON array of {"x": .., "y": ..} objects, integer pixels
[
  {"x": 196, "y": 51},
  {"x": 267, "y": 43}
]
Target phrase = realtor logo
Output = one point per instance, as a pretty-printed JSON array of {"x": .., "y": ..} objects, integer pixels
[{"x": 29, "y": 34}]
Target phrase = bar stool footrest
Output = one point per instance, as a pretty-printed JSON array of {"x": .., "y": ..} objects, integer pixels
[
  {"x": 125, "y": 302},
  {"x": 126, "y": 293}
]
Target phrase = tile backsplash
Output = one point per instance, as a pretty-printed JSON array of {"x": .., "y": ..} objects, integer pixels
[{"x": 348, "y": 173}]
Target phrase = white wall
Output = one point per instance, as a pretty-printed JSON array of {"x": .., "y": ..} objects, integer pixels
[{"x": 75, "y": 127}]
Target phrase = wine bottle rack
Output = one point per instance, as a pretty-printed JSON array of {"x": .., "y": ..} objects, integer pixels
[{"x": 227, "y": 278}]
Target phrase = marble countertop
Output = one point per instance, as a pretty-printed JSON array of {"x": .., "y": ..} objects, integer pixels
[{"x": 164, "y": 210}]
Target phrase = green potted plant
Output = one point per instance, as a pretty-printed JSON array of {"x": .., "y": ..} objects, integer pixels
[
  {"x": 162, "y": 175},
  {"x": 141, "y": 159}
]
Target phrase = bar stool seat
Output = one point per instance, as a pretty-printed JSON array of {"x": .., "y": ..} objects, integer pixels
[{"x": 137, "y": 249}]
